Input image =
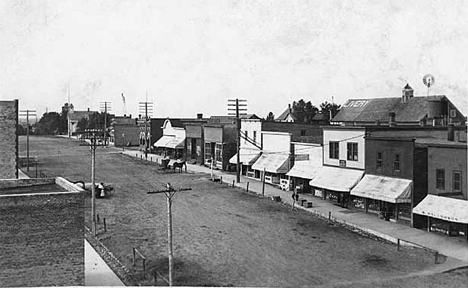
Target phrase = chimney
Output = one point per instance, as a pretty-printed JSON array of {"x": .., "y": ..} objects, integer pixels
[
  {"x": 88, "y": 109},
  {"x": 451, "y": 133},
  {"x": 391, "y": 120},
  {"x": 125, "y": 116},
  {"x": 199, "y": 116},
  {"x": 407, "y": 93}
]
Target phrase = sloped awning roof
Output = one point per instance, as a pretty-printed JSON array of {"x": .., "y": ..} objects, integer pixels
[
  {"x": 305, "y": 169},
  {"x": 388, "y": 189},
  {"x": 247, "y": 157},
  {"x": 169, "y": 141},
  {"x": 336, "y": 179},
  {"x": 273, "y": 163},
  {"x": 449, "y": 209}
]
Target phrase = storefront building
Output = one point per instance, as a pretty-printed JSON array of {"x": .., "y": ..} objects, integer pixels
[
  {"x": 343, "y": 163},
  {"x": 219, "y": 143},
  {"x": 250, "y": 145},
  {"x": 172, "y": 142},
  {"x": 194, "y": 143},
  {"x": 445, "y": 207},
  {"x": 274, "y": 162},
  {"x": 307, "y": 162},
  {"x": 387, "y": 188}
]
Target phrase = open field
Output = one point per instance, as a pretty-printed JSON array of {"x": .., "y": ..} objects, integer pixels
[{"x": 225, "y": 237}]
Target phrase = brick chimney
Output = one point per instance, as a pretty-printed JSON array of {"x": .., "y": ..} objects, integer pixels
[
  {"x": 407, "y": 93},
  {"x": 451, "y": 133},
  {"x": 391, "y": 119},
  {"x": 200, "y": 116}
]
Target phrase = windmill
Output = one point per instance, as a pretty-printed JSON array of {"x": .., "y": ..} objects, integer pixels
[{"x": 428, "y": 80}]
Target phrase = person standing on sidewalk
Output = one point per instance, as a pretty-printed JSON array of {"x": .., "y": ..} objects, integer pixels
[{"x": 295, "y": 197}]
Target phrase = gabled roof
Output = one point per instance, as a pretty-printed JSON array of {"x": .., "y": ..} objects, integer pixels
[
  {"x": 285, "y": 114},
  {"x": 371, "y": 110},
  {"x": 249, "y": 116}
]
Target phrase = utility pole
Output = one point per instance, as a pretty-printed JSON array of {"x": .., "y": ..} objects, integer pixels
[
  {"x": 93, "y": 143},
  {"x": 105, "y": 106},
  {"x": 28, "y": 113},
  {"x": 169, "y": 192},
  {"x": 146, "y": 108},
  {"x": 236, "y": 104}
]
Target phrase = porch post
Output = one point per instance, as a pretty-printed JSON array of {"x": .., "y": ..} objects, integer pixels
[
  {"x": 396, "y": 211},
  {"x": 366, "y": 205}
]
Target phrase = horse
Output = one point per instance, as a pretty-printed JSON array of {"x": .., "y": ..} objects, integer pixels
[{"x": 179, "y": 165}]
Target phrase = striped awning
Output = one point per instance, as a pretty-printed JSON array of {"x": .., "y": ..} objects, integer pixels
[
  {"x": 336, "y": 179},
  {"x": 445, "y": 208},
  {"x": 247, "y": 157},
  {"x": 305, "y": 169},
  {"x": 169, "y": 141},
  {"x": 273, "y": 163},
  {"x": 388, "y": 189}
]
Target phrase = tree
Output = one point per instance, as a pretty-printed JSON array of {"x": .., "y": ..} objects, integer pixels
[
  {"x": 270, "y": 117},
  {"x": 326, "y": 107},
  {"x": 95, "y": 121},
  {"x": 49, "y": 124},
  {"x": 63, "y": 128},
  {"x": 303, "y": 111}
]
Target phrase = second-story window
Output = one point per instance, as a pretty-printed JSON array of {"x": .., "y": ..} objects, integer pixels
[
  {"x": 303, "y": 132},
  {"x": 396, "y": 163},
  {"x": 352, "y": 151},
  {"x": 255, "y": 136},
  {"x": 334, "y": 151},
  {"x": 379, "y": 162},
  {"x": 440, "y": 179},
  {"x": 457, "y": 181},
  {"x": 246, "y": 136}
]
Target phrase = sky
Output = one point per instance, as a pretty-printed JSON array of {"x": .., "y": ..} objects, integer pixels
[{"x": 190, "y": 57}]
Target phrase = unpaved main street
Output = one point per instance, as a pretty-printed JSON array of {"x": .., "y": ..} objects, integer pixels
[{"x": 226, "y": 237}]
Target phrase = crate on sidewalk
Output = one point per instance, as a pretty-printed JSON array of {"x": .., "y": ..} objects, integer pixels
[
  {"x": 307, "y": 204},
  {"x": 276, "y": 198}
]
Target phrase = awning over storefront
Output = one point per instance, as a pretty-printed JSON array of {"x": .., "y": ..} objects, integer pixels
[
  {"x": 168, "y": 141},
  {"x": 305, "y": 169},
  {"x": 388, "y": 189},
  {"x": 336, "y": 179},
  {"x": 273, "y": 163},
  {"x": 449, "y": 209},
  {"x": 247, "y": 157}
]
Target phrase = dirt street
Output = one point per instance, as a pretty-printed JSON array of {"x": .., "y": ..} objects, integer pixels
[{"x": 224, "y": 236}]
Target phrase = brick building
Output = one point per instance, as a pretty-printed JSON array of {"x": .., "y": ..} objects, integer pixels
[
  {"x": 8, "y": 139},
  {"x": 444, "y": 205},
  {"x": 42, "y": 233},
  {"x": 125, "y": 131}
]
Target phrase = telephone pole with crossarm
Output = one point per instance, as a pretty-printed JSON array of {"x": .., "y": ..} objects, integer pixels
[{"x": 170, "y": 191}]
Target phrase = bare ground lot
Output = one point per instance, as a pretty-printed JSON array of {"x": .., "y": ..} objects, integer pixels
[{"x": 225, "y": 237}]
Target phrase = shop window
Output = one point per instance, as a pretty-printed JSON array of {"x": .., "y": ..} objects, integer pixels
[
  {"x": 457, "y": 181},
  {"x": 352, "y": 151},
  {"x": 440, "y": 179},
  {"x": 219, "y": 152},
  {"x": 207, "y": 151},
  {"x": 334, "y": 149},
  {"x": 379, "y": 162},
  {"x": 396, "y": 163}
]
